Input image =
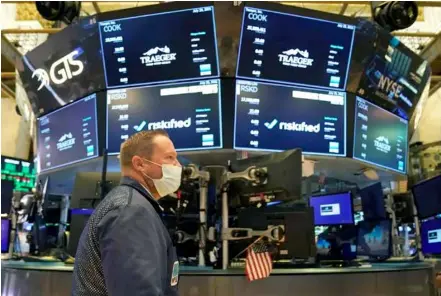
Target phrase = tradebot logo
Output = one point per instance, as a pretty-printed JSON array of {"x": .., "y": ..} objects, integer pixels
[
  {"x": 158, "y": 56},
  {"x": 61, "y": 70},
  {"x": 290, "y": 58},
  {"x": 299, "y": 127},
  {"x": 382, "y": 144},
  {"x": 172, "y": 124},
  {"x": 65, "y": 142}
]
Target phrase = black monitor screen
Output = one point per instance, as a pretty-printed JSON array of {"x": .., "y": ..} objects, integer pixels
[
  {"x": 313, "y": 120},
  {"x": 374, "y": 239},
  {"x": 427, "y": 197},
  {"x": 66, "y": 67},
  {"x": 68, "y": 135},
  {"x": 380, "y": 137},
  {"x": 294, "y": 49},
  {"x": 190, "y": 112},
  {"x": 167, "y": 46},
  {"x": 431, "y": 236},
  {"x": 372, "y": 200}
]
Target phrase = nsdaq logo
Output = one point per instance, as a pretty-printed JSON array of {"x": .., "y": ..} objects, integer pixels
[
  {"x": 296, "y": 58},
  {"x": 61, "y": 70},
  {"x": 66, "y": 141},
  {"x": 382, "y": 144},
  {"x": 158, "y": 56}
]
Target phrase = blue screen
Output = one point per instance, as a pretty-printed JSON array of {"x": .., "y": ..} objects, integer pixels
[
  {"x": 313, "y": 120},
  {"x": 294, "y": 49},
  {"x": 427, "y": 196},
  {"x": 170, "y": 46},
  {"x": 431, "y": 236},
  {"x": 6, "y": 228},
  {"x": 372, "y": 201},
  {"x": 380, "y": 137},
  {"x": 68, "y": 135},
  {"x": 334, "y": 209},
  {"x": 190, "y": 112},
  {"x": 374, "y": 238}
]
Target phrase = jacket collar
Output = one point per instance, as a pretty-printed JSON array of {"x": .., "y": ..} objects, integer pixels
[{"x": 142, "y": 190}]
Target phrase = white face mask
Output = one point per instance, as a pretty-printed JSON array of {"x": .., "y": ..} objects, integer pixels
[{"x": 170, "y": 181}]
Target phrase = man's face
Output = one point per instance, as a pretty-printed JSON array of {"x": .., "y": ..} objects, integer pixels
[{"x": 163, "y": 153}]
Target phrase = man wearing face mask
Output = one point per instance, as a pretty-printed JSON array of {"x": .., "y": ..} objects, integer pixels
[{"x": 125, "y": 249}]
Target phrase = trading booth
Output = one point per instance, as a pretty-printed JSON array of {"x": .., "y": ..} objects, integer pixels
[{"x": 293, "y": 128}]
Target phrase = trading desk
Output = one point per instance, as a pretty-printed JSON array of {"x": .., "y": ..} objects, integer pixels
[{"x": 55, "y": 279}]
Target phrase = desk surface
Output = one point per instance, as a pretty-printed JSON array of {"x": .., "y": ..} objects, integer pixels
[{"x": 185, "y": 270}]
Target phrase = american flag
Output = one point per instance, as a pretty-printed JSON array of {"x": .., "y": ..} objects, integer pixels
[{"x": 258, "y": 263}]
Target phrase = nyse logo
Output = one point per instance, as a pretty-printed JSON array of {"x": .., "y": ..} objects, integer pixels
[
  {"x": 257, "y": 17},
  {"x": 60, "y": 71},
  {"x": 172, "y": 124},
  {"x": 387, "y": 85},
  {"x": 158, "y": 56},
  {"x": 382, "y": 144},
  {"x": 296, "y": 58},
  {"x": 65, "y": 142},
  {"x": 300, "y": 127}
]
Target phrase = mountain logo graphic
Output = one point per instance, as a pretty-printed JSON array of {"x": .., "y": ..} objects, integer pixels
[
  {"x": 382, "y": 144},
  {"x": 65, "y": 142},
  {"x": 291, "y": 52},
  {"x": 65, "y": 137},
  {"x": 42, "y": 77},
  {"x": 157, "y": 49}
]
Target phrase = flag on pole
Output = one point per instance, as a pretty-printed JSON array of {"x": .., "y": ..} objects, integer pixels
[{"x": 258, "y": 263}]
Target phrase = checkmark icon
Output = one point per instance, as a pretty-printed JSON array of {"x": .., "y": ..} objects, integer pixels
[
  {"x": 271, "y": 124},
  {"x": 139, "y": 128}
]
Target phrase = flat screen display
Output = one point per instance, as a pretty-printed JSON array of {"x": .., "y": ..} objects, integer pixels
[
  {"x": 313, "y": 120},
  {"x": 19, "y": 171},
  {"x": 66, "y": 67},
  {"x": 333, "y": 209},
  {"x": 372, "y": 200},
  {"x": 374, "y": 239},
  {"x": 68, "y": 135},
  {"x": 427, "y": 197},
  {"x": 380, "y": 137},
  {"x": 295, "y": 49},
  {"x": 431, "y": 236},
  {"x": 167, "y": 46},
  {"x": 6, "y": 228},
  {"x": 394, "y": 76},
  {"x": 190, "y": 112}
]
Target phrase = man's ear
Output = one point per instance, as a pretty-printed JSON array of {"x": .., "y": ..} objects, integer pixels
[{"x": 137, "y": 162}]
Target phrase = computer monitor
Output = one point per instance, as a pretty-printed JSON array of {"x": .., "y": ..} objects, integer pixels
[
  {"x": 311, "y": 50},
  {"x": 431, "y": 236},
  {"x": 380, "y": 137},
  {"x": 6, "y": 231},
  {"x": 79, "y": 218},
  {"x": 375, "y": 239},
  {"x": 68, "y": 135},
  {"x": 190, "y": 112},
  {"x": 7, "y": 193},
  {"x": 313, "y": 120},
  {"x": 332, "y": 209},
  {"x": 284, "y": 175},
  {"x": 372, "y": 201},
  {"x": 427, "y": 197},
  {"x": 185, "y": 50},
  {"x": 19, "y": 171}
]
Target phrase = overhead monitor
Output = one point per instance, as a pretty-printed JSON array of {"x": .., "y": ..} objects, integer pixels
[
  {"x": 394, "y": 75},
  {"x": 380, "y": 137},
  {"x": 68, "y": 135},
  {"x": 294, "y": 48},
  {"x": 190, "y": 112},
  {"x": 66, "y": 67},
  {"x": 332, "y": 209},
  {"x": 19, "y": 171},
  {"x": 375, "y": 239},
  {"x": 431, "y": 236},
  {"x": 160, "y": 47},
  {"x": 427, "y": 197},
  {"x": 272, "y": 117},
  {"x": 372, "y": 200}
]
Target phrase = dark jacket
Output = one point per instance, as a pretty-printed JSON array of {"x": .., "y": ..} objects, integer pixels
[{"x": 125, "y": 249}]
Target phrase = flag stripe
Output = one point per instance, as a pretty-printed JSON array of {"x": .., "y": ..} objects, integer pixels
[{"x": 258, "y": 263}]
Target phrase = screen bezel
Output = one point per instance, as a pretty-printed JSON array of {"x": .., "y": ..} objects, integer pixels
[
  {"x": 221, "y": 131},
  {"x": 390, "y": 238},
  {"x": 97, "y": 153},
  {"x": 303, "y": 152},
  {"x": 351, "y": 200},
  {"x": 299, "y": 12},
  {"x": 416, "y": 200},
  {"x": 152, "y": 10},
  {"x": 355, "y": 133}
]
